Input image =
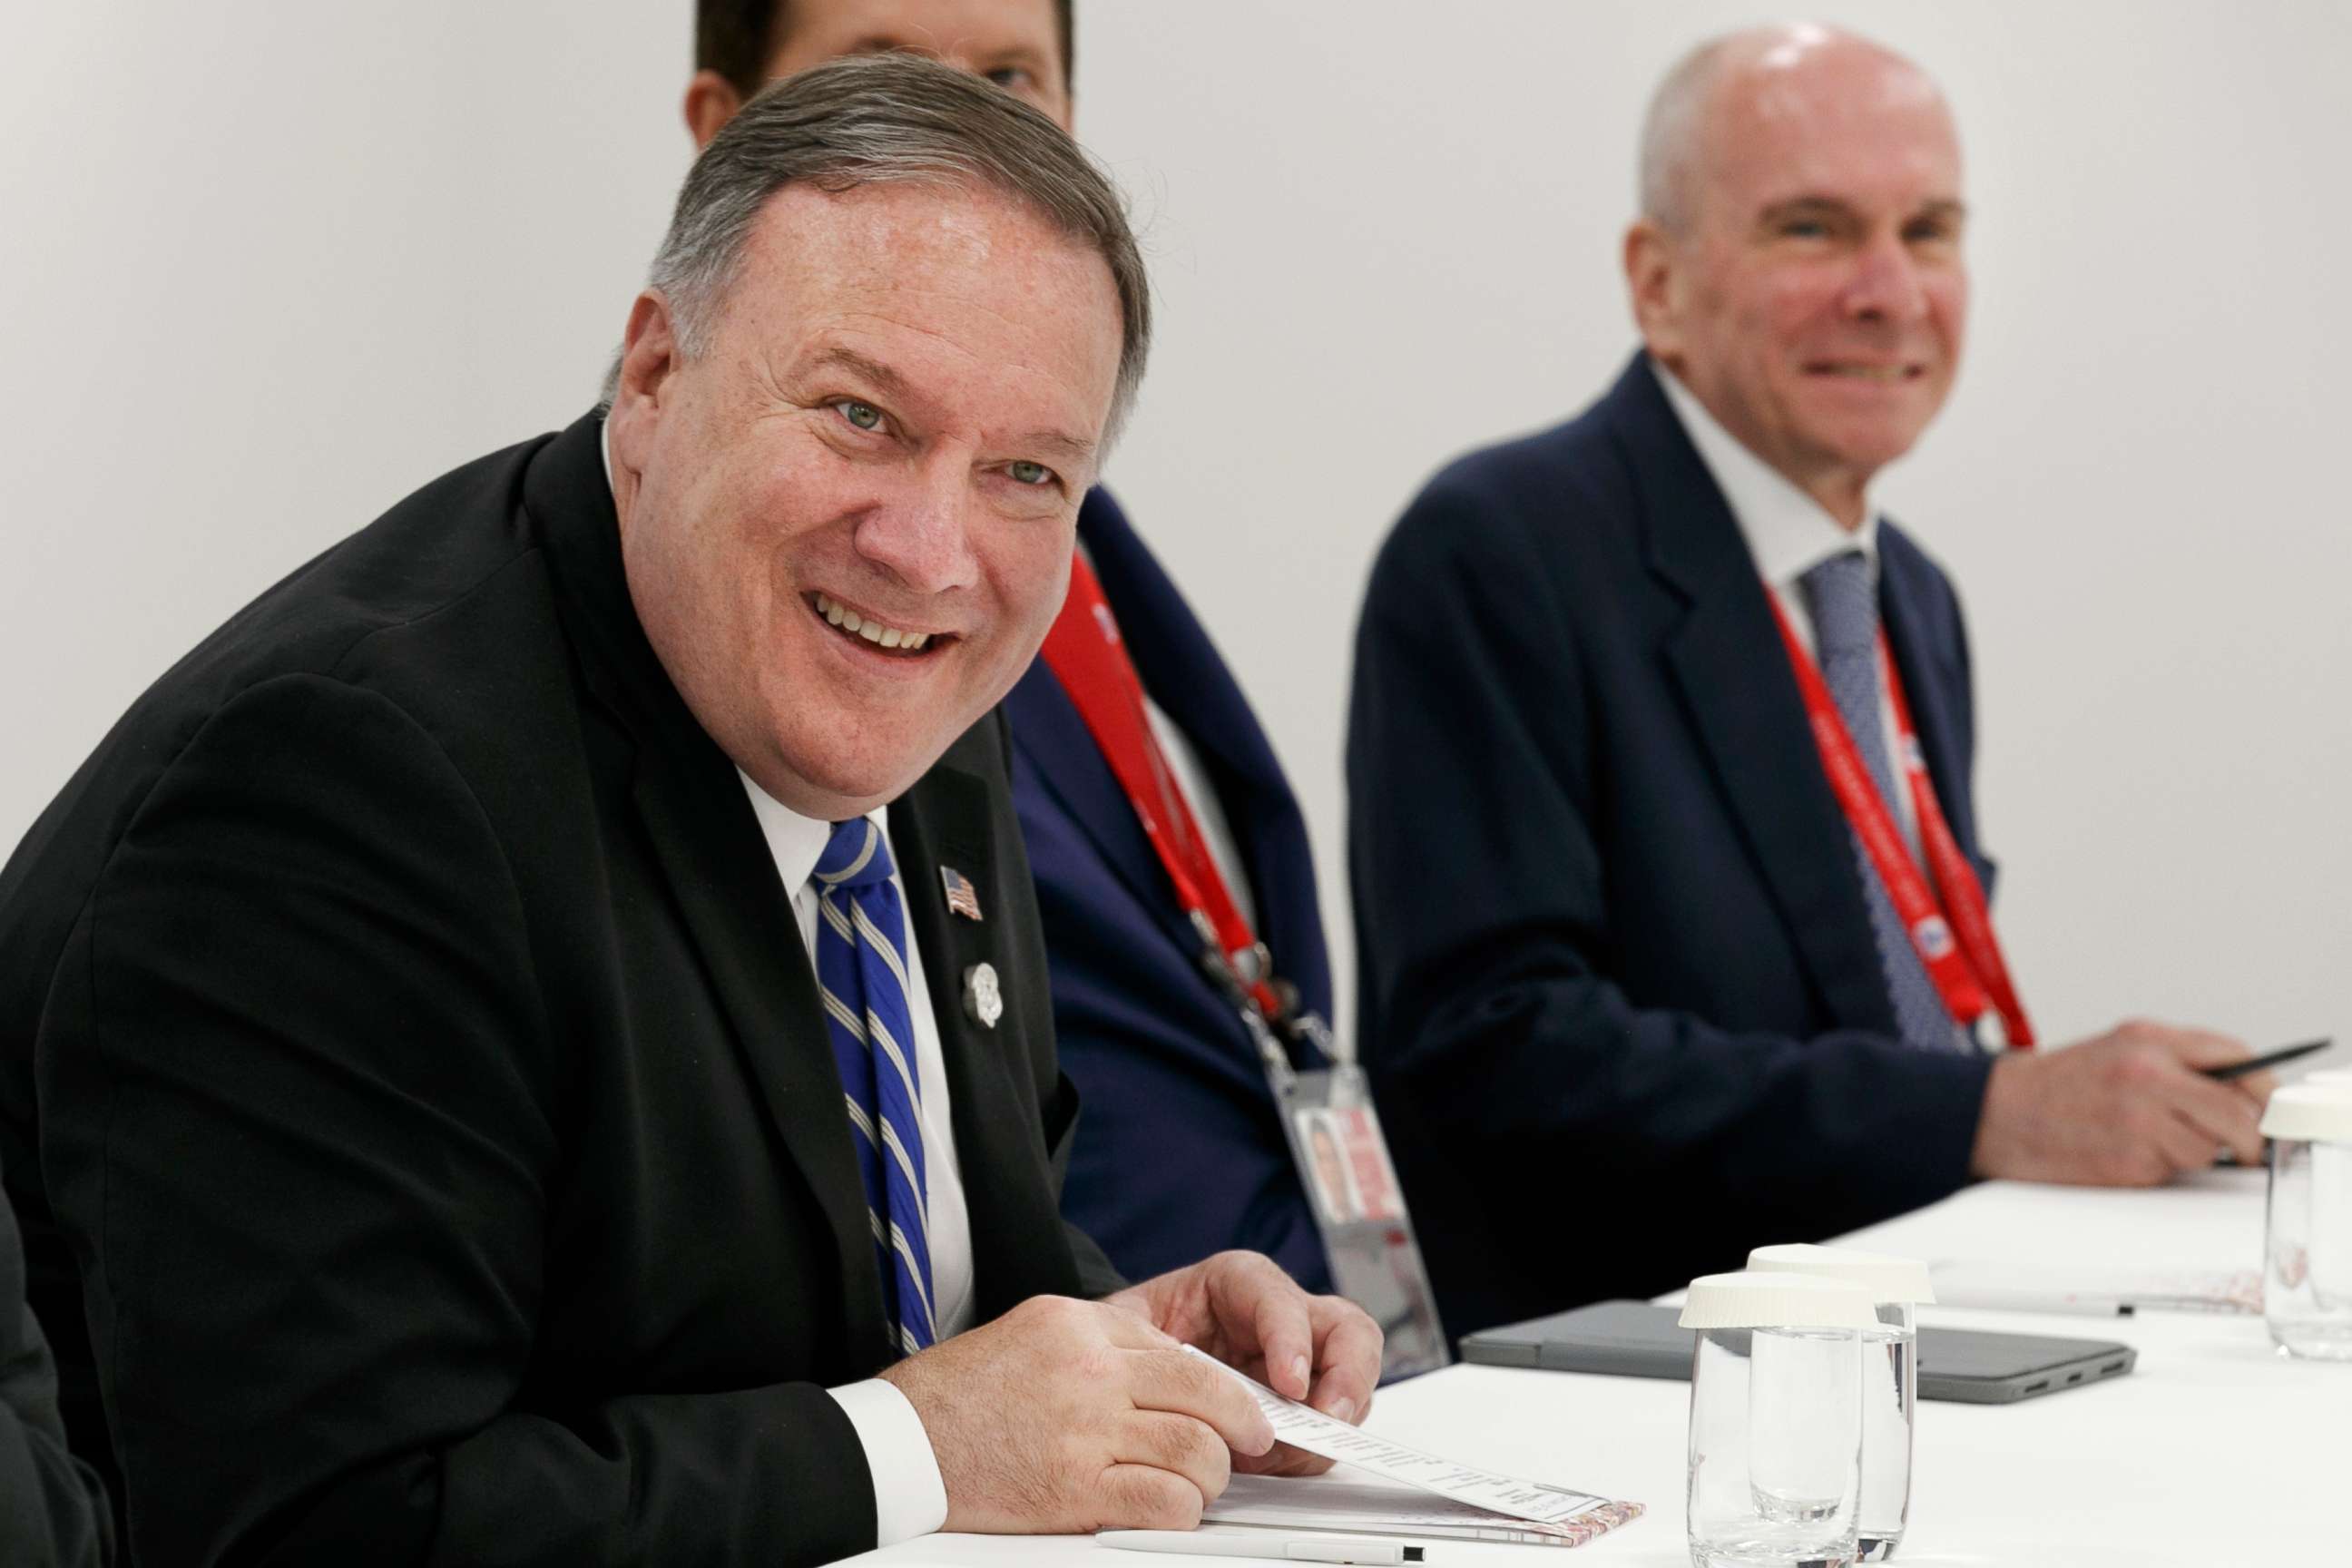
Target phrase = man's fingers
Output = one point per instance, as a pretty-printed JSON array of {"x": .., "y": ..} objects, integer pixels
[
  {"x": 1186, "y": 1384},
  {"x": 2225, "y": 1118},
  {"x": 2255, "y": 1087},
  {"x": 1174, "y": 1443},
  {"x": 1347, "y": 1359},
  {"x": 1144, "y": 1497},
  {"x": 2183, "y": 1146},
  {"x": 1131, "y": 1332},
  {"x": 2203, "y": 1047},
  {"x": 1281, "y": 1459},
  {"x": 1278, "y": 1312}
]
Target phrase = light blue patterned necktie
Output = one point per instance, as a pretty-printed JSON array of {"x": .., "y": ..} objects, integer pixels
[
  {"x": 1844, "y": 601},
  {"x": 861, "y": 972}
]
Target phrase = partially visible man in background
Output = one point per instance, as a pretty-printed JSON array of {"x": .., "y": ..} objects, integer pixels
[
  {"x": 1665, "y": 859},
  {"x": 1180, "y": 1152}
]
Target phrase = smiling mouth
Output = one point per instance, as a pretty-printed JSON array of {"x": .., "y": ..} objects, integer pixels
[
  {"x": 1881, "y": 374},
  {"x": 879, "y": 634}
]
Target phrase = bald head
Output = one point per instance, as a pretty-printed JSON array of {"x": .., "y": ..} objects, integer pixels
[
  {"x": 1706, "y": 103},
  {"x": 1797, "y": 265}
]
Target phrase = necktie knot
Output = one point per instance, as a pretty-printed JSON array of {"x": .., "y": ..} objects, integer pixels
[
  {"x": 855, "y": 857},
  {"x": 1844, "y": 602}
]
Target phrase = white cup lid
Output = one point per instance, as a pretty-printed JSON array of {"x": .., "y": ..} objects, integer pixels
[
  {"x": 1887, "y": 1277},
  {"x": 1768, "y": 1300},
  {"x": 2315, "y": 1112}
]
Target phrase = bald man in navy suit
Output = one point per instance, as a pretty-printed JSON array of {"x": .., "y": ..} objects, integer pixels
[{"x": 1619, "y": 944}]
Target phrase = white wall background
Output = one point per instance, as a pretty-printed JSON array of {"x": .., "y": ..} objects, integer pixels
[{"x": 265, "y": 267}]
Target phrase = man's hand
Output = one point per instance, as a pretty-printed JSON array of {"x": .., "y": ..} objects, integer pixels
[
  {"x": 2126, "y": 1110},
  {"x": 1242, "y": 1308},
  {"x": 1065, "y": 1416}
]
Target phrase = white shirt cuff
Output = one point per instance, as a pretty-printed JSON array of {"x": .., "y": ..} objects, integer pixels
[{"x": 909, "y": 1498}]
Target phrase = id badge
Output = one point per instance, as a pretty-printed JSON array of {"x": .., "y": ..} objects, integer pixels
[{"x": 1343, "y": 1164}]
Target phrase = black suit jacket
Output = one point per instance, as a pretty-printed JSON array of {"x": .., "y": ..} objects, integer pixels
[
  {"x": 53, "y": 1512},
  {"x": 432, "y": 1085},
  {"x": 1620, "y": 993}
]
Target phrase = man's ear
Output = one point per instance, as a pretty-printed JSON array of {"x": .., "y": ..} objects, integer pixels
[
  {"x": 646, "y": 385},
  {"x": 711, "y": 102},
  {"x": 1652, "y": 284}
]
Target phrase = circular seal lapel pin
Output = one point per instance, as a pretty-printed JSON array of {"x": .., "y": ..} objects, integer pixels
[{"x": 984, "y": 998}]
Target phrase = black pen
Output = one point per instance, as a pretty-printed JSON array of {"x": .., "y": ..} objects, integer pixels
[{"x": 2268, "y": 1059}]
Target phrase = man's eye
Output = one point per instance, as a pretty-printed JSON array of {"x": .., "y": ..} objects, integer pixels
[
  {"x": 864, "y": 416},
  {"x": 1804, "y": 228},
  {"x": 1027, "y": 473},
  {"x": 1012, "y": 78}
]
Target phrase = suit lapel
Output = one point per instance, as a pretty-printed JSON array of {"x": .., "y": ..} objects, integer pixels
[
  {"x": 703, "y": 834},
  {"x": 711, "y": 852},
  {"x": 1181, "y": 669},
  {"x": 1725, "y": 653},
  {"x": 945, "y": 821},
  {"x": 1049, "y": 731}
]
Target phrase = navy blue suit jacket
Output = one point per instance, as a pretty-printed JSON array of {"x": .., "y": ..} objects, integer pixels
[
  {"x": 1620, "y": 996},
  {"x": 1180, "y": 1152}
]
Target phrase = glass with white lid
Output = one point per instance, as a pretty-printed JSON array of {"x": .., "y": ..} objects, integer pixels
[
  {"x": 2307, "y": 1237},
  {"x": 1890, "y": 1376},
  {"x": 1776, "y": 1420}
]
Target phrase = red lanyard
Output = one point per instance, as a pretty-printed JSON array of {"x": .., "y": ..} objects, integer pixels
[
  {"x": 1087, "y": 656},
  {"x": 1955, "y": 939}
]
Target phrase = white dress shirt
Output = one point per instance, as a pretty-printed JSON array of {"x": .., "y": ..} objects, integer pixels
[
  {"x": 1789, "y": 533},
  {"x": 910, "y": 1498}
]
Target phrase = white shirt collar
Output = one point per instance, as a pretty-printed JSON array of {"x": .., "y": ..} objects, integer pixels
[
  {"x": 796, "y": 842},
  {"x": 1787, "y": 531}
]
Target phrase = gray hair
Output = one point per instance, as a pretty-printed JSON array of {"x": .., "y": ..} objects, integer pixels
[{"x": 890, "y": 118}]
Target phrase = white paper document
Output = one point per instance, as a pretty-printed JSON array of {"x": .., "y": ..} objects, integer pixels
[{"x": 1472, "y": 1499}]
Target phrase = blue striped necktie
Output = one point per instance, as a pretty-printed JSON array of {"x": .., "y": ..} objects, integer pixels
[
  {"x": 1844, "y": 597},
  {"x": 861, "y": 973}
]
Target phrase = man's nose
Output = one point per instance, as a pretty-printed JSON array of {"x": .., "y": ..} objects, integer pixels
[
  {"x": 1885, "y": 284},
  {"x": 921, "y": 534}
]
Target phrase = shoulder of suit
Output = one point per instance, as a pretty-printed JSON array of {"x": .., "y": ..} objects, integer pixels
[
  {"x": 1903, "y": 556},
  {"x": 1548, "y": 494},
  {"x": 440, "y": 606}
]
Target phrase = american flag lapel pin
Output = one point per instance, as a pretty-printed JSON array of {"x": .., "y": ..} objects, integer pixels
[{"x": 963, "y": 899}]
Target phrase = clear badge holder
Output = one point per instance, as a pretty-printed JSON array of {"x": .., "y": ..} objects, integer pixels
[{"x": 1343, "y": 1164}]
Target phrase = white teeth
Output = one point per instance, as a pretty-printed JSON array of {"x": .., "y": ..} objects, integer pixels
[{"x": 872, "y": 630}]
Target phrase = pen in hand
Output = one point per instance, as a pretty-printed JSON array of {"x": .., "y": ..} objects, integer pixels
[{"x": 2268, "y": 1059}]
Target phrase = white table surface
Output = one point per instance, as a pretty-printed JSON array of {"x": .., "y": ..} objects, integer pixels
[{"x": 2214, "y": 1451}]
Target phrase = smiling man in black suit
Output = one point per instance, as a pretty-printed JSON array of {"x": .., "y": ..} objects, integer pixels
[{"x": 540, "y": 1026}]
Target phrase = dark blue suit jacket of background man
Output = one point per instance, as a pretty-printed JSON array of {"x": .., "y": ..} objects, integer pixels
[
  {"x": 1179, "y": 1151},
  {"x": 1620, "y": 996}
]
